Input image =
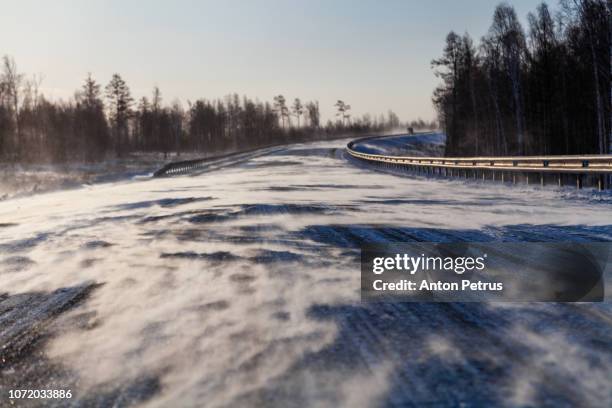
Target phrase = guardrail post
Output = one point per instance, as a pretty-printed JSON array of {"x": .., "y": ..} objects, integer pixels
[
  {"x": 579, "y": 181},
  {"x": 527, "y": 179},
  {"x": 601, "y": 182},
  {"x": 560, "y": 180},
  {"x": 502, "y": 177},
  {"x": 493, "y": 175},
  {"x": 514, "y": 178},
  {"x": 541, "y": 179}
]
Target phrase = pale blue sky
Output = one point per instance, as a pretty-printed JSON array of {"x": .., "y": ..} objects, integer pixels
[{"x": 375, "y": 55}]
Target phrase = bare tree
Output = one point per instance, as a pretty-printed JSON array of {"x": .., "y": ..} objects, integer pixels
[
  {"x": 281, "y": 108},
  {"x": 609, "y": 4},
  {"x": 156, "y": 119},
  {"x": 609, "y": 8},
  {"x": 31, "y": 91},
  {"x": 609, "y": 151},
  {"x": 548, "y": 89},
  {"x": 156, "y": 100},
  {"x": 447, "y": 68},
  {"x": 470, "y": 62},
  {"x": 11, "y": 81},
  {"x": 343, "y": 111},
  {"x": 507, "y": 31},
  {"x": 298, "y": 110},
  {"x": 314, "y": 116},
  {"x": 592, "y": 15}
]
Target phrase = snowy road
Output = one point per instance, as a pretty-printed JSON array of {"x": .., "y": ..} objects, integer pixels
[{"x": 240, "y": 286}]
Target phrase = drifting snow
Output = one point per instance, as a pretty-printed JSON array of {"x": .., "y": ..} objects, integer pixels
[{"x": 241, "y": 287}]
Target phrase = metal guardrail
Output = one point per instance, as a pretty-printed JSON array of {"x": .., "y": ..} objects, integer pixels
[
  {"x": 592, "y": 168},
  {"x": 187, "y": 166},
  {"x": 181, "y": 167}
]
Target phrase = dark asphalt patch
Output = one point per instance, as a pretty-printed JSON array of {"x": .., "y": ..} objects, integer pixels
[
  {"x": 17, "y": 263},
  {"x": 353, "y": 236},
  {"x": 219, "y": 256},
  {"x": 97, "y": 244},
  {"x": 164, "y": 203}
]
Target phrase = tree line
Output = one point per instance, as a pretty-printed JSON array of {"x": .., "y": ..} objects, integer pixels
[
  {"x": 101, "y": 122},
  {"x": 546, "y": 90}
]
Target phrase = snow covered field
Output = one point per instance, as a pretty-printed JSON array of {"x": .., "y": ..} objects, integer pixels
[
  {"x": 18, "y": 180},
  {"x": 240, "y": 287}
]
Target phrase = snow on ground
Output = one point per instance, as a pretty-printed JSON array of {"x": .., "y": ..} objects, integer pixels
[
  {"x": 425, "y": 144},
  {"x": 26, "y": 179},
  {"x": 240, "y": 287}
]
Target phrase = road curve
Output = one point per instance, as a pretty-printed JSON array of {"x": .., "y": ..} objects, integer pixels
[{"x": 238, "y": 286}]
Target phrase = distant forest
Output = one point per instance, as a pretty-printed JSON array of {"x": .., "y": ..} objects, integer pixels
[
  {"x": 546, "y": 90},
  {"x": 102, "y": 122}
]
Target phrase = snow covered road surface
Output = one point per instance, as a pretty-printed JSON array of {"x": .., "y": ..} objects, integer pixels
[{"x": 239, "y": 286}]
